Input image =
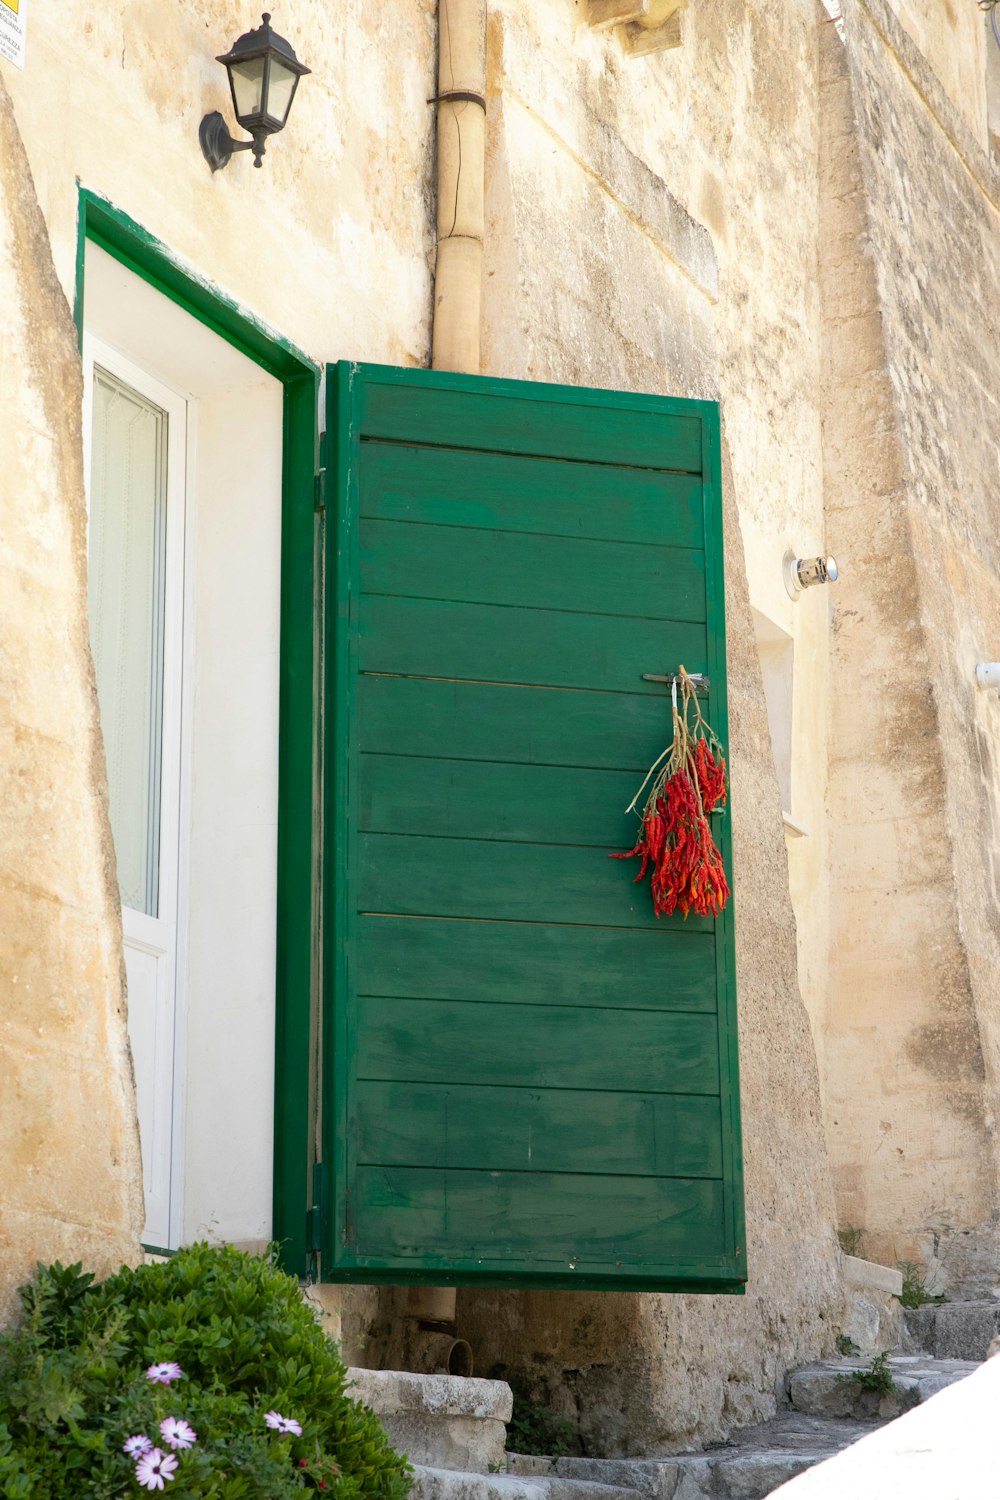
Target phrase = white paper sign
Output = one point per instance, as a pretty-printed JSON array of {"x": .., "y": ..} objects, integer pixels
[{"x": 13, "y": 26}]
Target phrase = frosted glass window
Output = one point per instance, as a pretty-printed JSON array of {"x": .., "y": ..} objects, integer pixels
[{"x": 127, "y": 579}]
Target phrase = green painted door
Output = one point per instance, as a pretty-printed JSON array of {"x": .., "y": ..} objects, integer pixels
[{"x": 530, "y": 1080}]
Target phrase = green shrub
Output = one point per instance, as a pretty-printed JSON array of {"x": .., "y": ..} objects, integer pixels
[
  {"x": 915, "y": 1293},
  {"x": 852, "y": 1240},
  {"x": 535, "y": 1427},
  {"x": 75, "y": 1386},
  {"x": 877, "y": 1378}
]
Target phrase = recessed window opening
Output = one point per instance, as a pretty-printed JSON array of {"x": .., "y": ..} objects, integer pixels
[{"x": 776, "y": 650}]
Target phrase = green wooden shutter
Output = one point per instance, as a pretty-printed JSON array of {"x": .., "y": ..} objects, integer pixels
[{"x": 530, "y": 1080}]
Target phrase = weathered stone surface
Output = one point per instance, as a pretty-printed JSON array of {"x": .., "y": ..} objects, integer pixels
[
  {"x": 917, "y": 1332},
  {"x": 908, "y": 206},
  {"x": 953, "y": 1330},
  {"x": 827, "y": 1390},
  {"x": 945, "y": 1448},
  {"x": 390, "y": 1391},
  {"x": 865, "y": 1276},
  {"x": 450, "y": 1484},
  {"x": 446, "y": 1421},
  {"x": 873, "y": 1316},
  {"x": 69, "y": 1151},
  {"x": 753, "y": 1464}
]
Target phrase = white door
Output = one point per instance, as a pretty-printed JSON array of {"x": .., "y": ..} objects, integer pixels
[{"x": 136, "y": 435}]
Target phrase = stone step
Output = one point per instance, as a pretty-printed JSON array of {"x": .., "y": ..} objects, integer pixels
[
  {"x": 951, "y": 1330},
  {"x": 827, "y": 1389},
  {"x": 749, "y": 1467},
  {"x": 450, "y": 1484},
  {"x": 442, "y": 1421}
]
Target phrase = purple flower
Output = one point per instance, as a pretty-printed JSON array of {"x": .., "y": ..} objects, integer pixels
[
  {"x": 153, "y": 1468},
  {"x": 177, "y": 1433},
  {"x": 282, "y": 1424},
  {"x": 136, "y": 1446},
  {"x": 164, "y": 1373}
]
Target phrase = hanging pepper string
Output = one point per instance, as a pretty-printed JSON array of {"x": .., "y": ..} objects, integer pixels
[{"x": 688, "y": 783}]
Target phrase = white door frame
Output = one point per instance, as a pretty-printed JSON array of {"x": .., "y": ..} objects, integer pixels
[{"x": 160, "y": 937}]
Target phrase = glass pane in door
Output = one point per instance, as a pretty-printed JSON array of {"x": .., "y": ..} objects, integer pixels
[{"x": 127, "y": 577}]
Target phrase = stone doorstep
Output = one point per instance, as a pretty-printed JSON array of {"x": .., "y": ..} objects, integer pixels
[
  {"x": 748, "y": 1468},
  {"x": 441, "y": 1421},
  {"x": 449, "y": 1484}
]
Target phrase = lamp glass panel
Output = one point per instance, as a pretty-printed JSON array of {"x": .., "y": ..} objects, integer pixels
[
  {"x": 247, "y": 82},
  {"x": 279, "y": 95}
]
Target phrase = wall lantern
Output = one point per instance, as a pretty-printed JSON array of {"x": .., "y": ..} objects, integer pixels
[
  {"x": 263, "y": 76},
  {"x": 802, "y": 573}
]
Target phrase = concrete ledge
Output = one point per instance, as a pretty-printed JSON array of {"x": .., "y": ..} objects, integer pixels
[
  {"x": 866, "y": 1276},
  {"x": 388, "y": 1392}
]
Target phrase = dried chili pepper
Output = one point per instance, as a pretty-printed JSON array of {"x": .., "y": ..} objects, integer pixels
[{"x": 688, "y": 783}]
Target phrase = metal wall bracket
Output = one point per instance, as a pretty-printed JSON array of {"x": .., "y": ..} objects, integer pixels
[{"x": 698, "y": 680}]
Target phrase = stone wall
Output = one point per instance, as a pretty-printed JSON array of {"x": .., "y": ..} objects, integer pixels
[
  {"x": 652, "y": 225},
  {"x": 69, "y": 1149},
  {"x": 804, "y": 227},
  {"x": 911, "y": 255}
]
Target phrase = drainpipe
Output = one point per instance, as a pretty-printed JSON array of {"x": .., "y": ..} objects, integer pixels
[
  {"x": 455, "y": 345},
  {"x": 461, "y": 158}
]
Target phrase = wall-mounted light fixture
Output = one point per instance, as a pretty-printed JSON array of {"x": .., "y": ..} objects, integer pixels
[
  {"x": 263, "y": 76},
  {"x": 806, "y": 572}
]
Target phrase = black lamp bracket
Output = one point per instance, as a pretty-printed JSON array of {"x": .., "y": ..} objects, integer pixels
[{"x": 218, "y": 145}]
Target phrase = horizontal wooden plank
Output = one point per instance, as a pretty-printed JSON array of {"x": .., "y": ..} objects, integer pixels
[
  {"x": 531, "y": 962},
  {"x": 439, "y": 877},
  {"x": 490, "y": 643},
  {"x": 533, "y": 1216},
  {"x": 544, "y": 1046},
  {"x": 500, "y": 1129},
  {"x": 507, "y": 722},
  {"x": 450, "y": 487},
  {"x": 483, "y": 799},
  {"x": 634, "y": 437},
  {"x": 546, "y": 572}
]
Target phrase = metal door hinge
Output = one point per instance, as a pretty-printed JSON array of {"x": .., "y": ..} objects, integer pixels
[{"x": 315, "y": 1215}]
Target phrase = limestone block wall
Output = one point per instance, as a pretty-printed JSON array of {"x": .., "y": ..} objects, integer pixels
[
  {"x": 330, "y": 242},
  {"x": 952, "y": 40},
  {"x": 70, "y": 1184},
  {"x": 652, "y": 225},
  {"x": 597, "y": 160},
  {"x": 911, "y": 287}
]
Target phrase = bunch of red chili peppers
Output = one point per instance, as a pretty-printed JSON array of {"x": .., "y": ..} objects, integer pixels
[{"x": 689, "y": 782}]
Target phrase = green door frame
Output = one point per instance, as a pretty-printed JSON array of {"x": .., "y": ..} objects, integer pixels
[{"x": 128, "y": 242}]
